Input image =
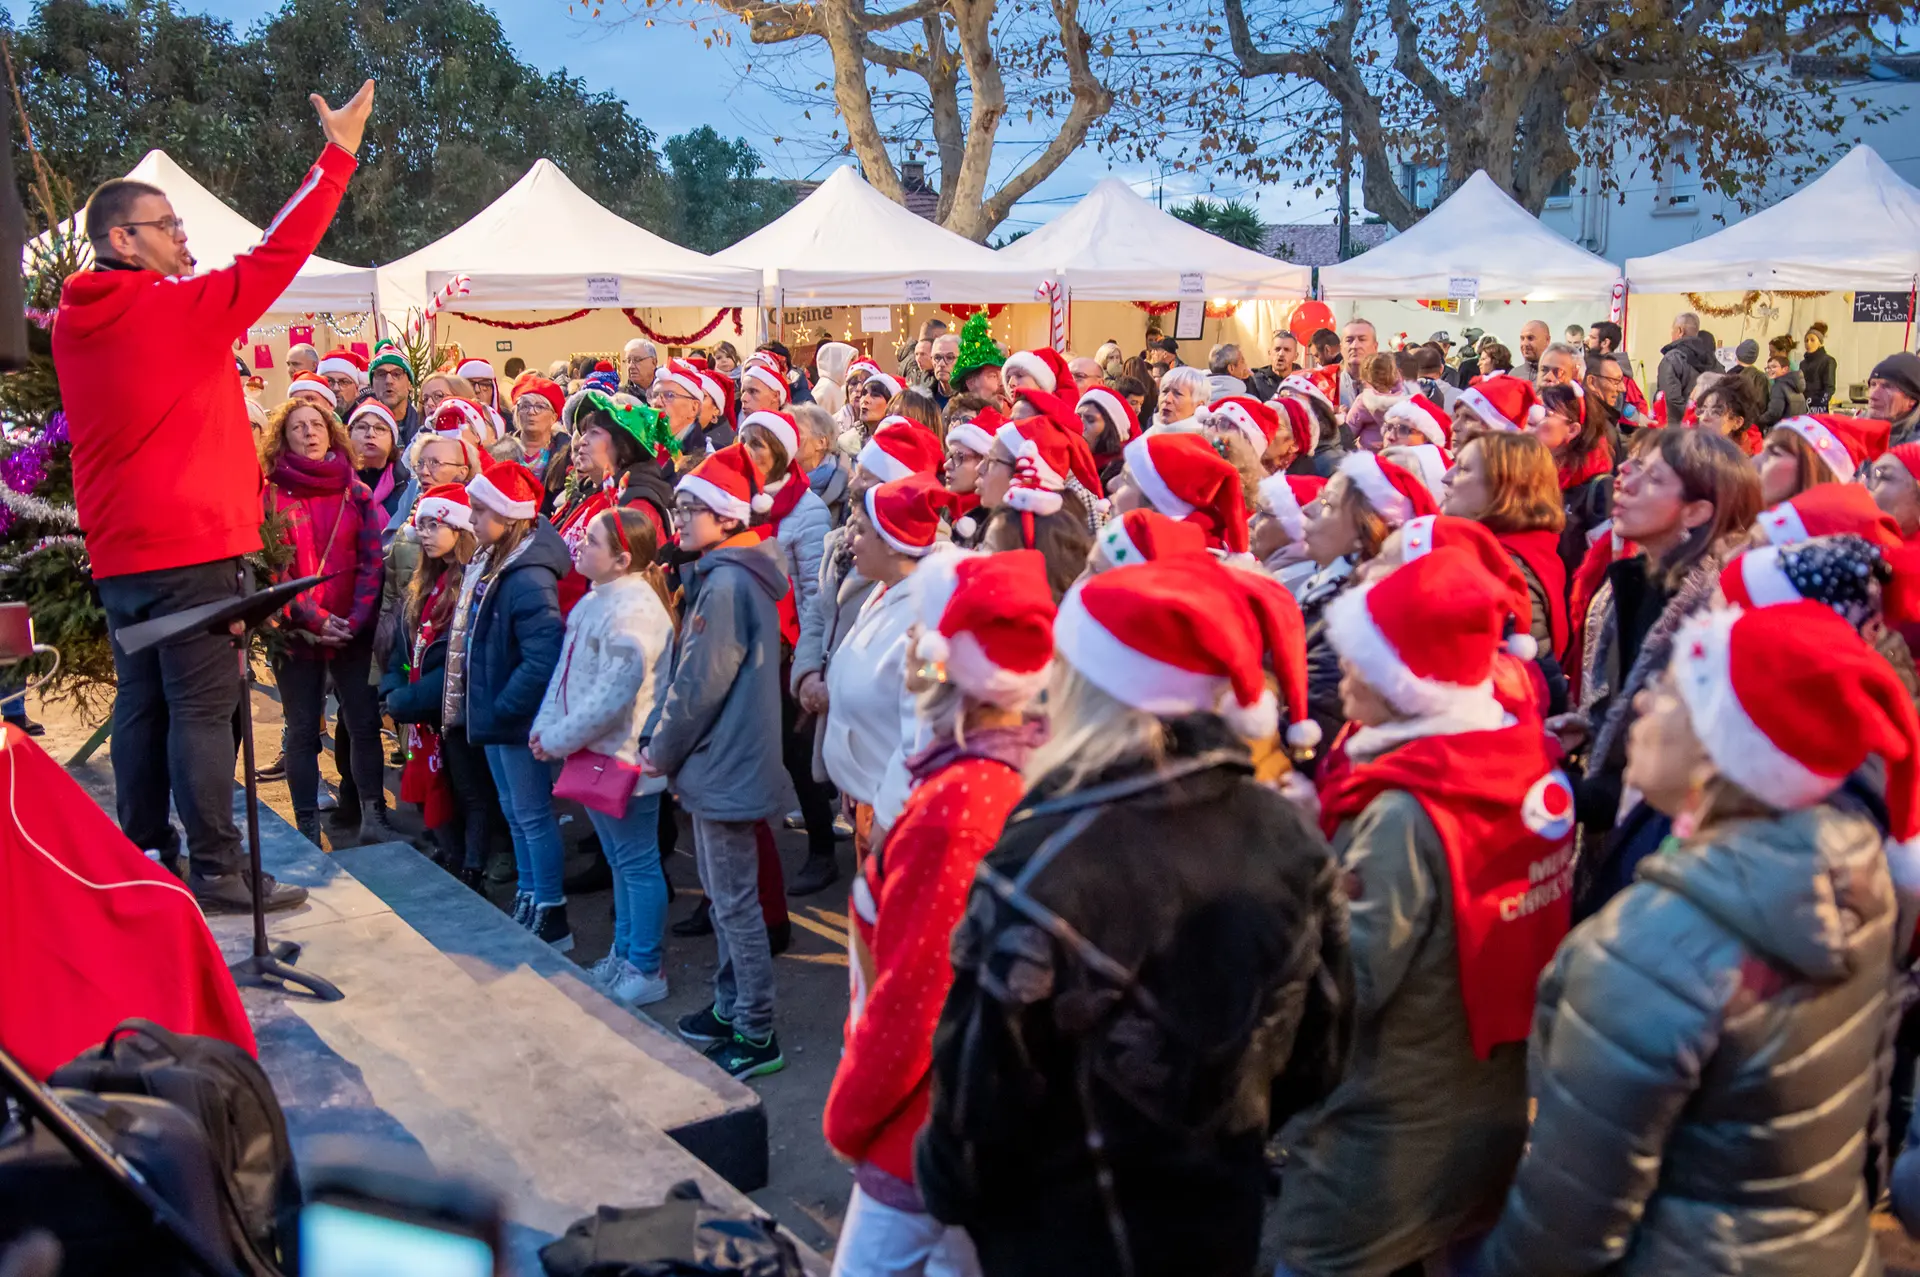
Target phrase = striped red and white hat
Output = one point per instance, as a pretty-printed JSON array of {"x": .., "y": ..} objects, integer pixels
[{"x": 447, "y": 502}]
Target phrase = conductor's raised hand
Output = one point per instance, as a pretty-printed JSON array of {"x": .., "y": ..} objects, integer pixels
[{"x": 345, "y": 126}]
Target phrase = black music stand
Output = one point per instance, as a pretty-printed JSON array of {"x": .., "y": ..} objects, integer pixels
[{"x": 268, "y": 966}]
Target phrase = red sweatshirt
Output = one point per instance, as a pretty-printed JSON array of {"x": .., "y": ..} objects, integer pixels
[
  {"x": 164, "y": 469},
  {"x": 905, "y": 908}
]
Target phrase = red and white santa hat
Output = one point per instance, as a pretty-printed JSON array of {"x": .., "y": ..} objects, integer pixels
[
  {"x": 1182, "y": 477},
  {"x": 1422, "y": 536},
  {"x": 680, "y": 373},
  {"x": 456, "y": 412},
  {"x": 772, "y": 359},
  {"x": 906, "y": 512},
  {"x": 1504, "y": 402},
  {"x": 780, "y": 425},
  {"x": 1844, "y": 443},
  {"x": 1424, "y": 637},
  {"x": 1057, "y": 412},
  {"x": 1788, "y": 702},
  {"x": 1424, "y": 415},
  {"x": 1045, "y": 365},
  {"x": 1189, "y": 635},
  {"x": 447, "y": 502},
  {"x": 1395, "y": 493},
  {"x": 1041, "y": 440},
  {"x": 1300, "y": 420},
  {"x": 1254, "y": 421},
  {"x": 860, "y": 370},
  {"x": 976, "y": 433},
  {"x": 508, "y": 489},
  {"x": 473, "y": 368},
  {"x": 765, "y": 375},
  {"x": 1301, "y": 384},
  {"x": 1287, "y": 496},
  {"x": 891, "y": 382},
  {"x": 312, "y": 383},
  {"x": 1142, "y": 536},
  {"x": 344, "y": 361},
  {"x": 1825, "y": 510},
  {"x": 1116, "y": 408},
  {"x": 727, "y": 484},
  {"x": 988, "y": 620},
  {"x": 374, "y": 408},
  {"x": 718, "y": 390},
  {"x": 899, "y": 448},
  {"x": 1428, "y": 462}
]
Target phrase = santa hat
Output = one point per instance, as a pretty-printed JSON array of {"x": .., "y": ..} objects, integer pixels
[
  {"x": 1115, "y": 407},
  {"x": 447, "y": 502},
  {"x": 727, "y": 484},
  {"x": 780, "y": 425},
  {"x": 343, "y": 361},
  {"x": 1504, "y": 402},
  {"x": 900, "y": 448},
  {"x": 1424, "y": 415},
  {"x": 1184, "y": 478},
  {"x": 1422, "y": 536},
  {"x": 1429, "y": 462},
  {"x": 765, "y": 376},
  {"x": 1254, "y": 421},
  {"x": 374, "y": 408},
  {"x": 1059, "y": 413},
  {"x": 1142, "y": 536},
  {"x": 892, "y": 383},
  {"x": 1301, "y": 421},
  {"x": 719, "y": 391},
  {"x": 988, "y": 619},
  {"x": 1301, "y": 384},
  {"x": 470, "y": 454},
  {"x": 1287, "y": 497},
  {"x": 1844, "y": 443},
  {"x": 455, "y": 412},
  {"x": 680, "y": 373},
  {"x": 312, "y": 383},
  {"x": 532, "y": 383},
  {"x": 1188, "y": 635},
  {"x": 906, "y": 512},
  {"x": 771, "y": 359},
  {"x": 472, "y": 369},
  {"x": 1908, "y": 455},
  {"x": 861, "y": 370},
  {"x": 1788, "y": 702},
  {"x": 976, "y": 434},
  {"x": 1424, "y": 636},
  {"x": 1393, "y": 492},
  {"x": 508, "y": 489},
  {"x": 1045, "y": 365},
  {"x": 1826, "y": 510}
]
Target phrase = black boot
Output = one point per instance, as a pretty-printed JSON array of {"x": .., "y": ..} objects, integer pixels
[
  {"x": 779, "y": 936},
  {"x": 819, "y": 872},
  {"x": 475, "y": 878},
  {"x": 697, "y": 923},
  {"x": 307, "y": 825}
]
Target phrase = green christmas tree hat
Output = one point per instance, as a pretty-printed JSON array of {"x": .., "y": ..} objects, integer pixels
[
  {"x": 977, "y": 351},
  {"x": 647, "y": 426}
]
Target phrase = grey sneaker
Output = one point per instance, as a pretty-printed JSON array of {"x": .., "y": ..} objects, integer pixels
[
  {"x": 233, "y": 893},
  {"x": 606, "y": 970},
  {"x": 635, "y": 988}
]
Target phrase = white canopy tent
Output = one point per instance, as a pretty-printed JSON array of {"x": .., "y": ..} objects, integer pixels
[
  {"x": 1478, "y": 233},
  {"x": 216, "y": 235},
  {"x": 1116, "y": 246},
  {"x": 846, "y": 244},
  {"x": 546, "y": 244},
  {"x": 1857, "y": 226}
]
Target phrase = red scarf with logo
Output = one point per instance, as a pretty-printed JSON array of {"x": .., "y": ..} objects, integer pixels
[
  {"x": 424, "y": 779},
  {"x": 1540, "y": 551},
  {"x": 1504, "y": 813},
  {"x": 785, "y": 498}
]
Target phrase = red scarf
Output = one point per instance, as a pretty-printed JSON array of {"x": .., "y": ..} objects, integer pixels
[
  {"x": 1540, "y": 551},
  {"x": 785, "y": 498},
  {"x": 1504, "y": 813},
  {"x": 424, "y": 780},
  {"x": 572, "y": 528},
  {"x": 1598, "y": 461}
]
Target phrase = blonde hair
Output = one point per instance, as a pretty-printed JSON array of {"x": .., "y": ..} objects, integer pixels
[
  {"x": 1238, "y": 453},
  {"x": 1092, "y": 732}
]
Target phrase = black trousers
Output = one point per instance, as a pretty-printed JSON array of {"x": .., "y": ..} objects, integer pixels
[
  {"x": 479, "y": 824},
  {"x": 304, "y": 680},
  {"x": 173, "y": 716},
  {"x": 796, "y": 754}
]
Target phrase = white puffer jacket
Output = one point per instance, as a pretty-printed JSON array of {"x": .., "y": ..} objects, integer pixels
[{"x": 613, "y": 672}]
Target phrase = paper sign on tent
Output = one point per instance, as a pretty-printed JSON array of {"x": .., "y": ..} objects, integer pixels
[
  {"x": 876, "y": 319},
  {"x": 919, "y": 290},
  {"x": 603, "y": 290},
  {"x": 1193, "y": 283},
  {"x": 1463, "y": 288}
]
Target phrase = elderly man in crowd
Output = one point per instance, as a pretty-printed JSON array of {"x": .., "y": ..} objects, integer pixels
[
  {"x": 1893, "y": 395},
  {"x": 1087, "y": 374},
  {"x": 1688, "y": 354},
  {"x": 1227, "y": 371},
  {"x": 1358, "y": 342},
  {"x": 302, "y": 358},
  {"x": 1535, "y": 337},
  {"x": 1560, "y": 365},
  {"x": 638, "y": 361}
]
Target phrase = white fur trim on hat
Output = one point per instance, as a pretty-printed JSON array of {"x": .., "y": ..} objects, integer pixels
[
  {"x": 1035, "y": 367},
  {"x": 1019, "y": 446},
  {"x": 877, "y": 461},
  {"x": 1278, "y": 495},
  {"x": 1363, "y": 471},
  {"x": 1116, "y": 546},
  {"x": 969, "y": 666},
  {"x": 315, "y": 385},
  {"x": 1766, "y": 583},
  {"x": 448, "y": 512},
  {"x": 374, "y": 408},
  {"x": 1781, "y": 525},
  {"x": 715, "y": 498},
  {"x": 1420, "y": 419},
  {"x": 1483, "y": 408},
  {"x": 1131, "y": 677},
  {"x": 1305, "y": 386},
  {"x": 1030, "y": 500},
  {"x": 873, "y": 517},
  {"x": 336, "y": 362},
  {"x": 692, "y": 385},
  {"x": 1232, "y": 416},
  {"x": 1139, "y": 460},
  {"x": 971, "y": 437},
  {"x": 774, "y": 425},
  {"x": 1742, "y": 752},
  {"x": 482, "y": 489},
  {"x": 1109, "y": 402},
  {"x": 891, "y": 382},
  {"x": 766, "y": 377},
  {"x": 1825, "y": 445},
  {"x": 471, "y": 368},
  {"x": 1353, "y": 634}
]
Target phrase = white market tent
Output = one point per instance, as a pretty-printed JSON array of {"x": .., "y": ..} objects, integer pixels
[
  {"x": 1114, "y": 245},
  {"x": 546, "y": 244},
  {"x": 846, "y": 244},
  {"x": 1855, "y": 227},
  {"x": 1478, "y": 233},
  {"x": 216, "y": 235}
]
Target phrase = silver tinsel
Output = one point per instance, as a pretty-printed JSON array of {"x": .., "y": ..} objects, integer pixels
[{"x": 27, "y": 506}]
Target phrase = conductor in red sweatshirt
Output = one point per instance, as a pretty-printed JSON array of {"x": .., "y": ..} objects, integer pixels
[{"x": 168, "y": 485}]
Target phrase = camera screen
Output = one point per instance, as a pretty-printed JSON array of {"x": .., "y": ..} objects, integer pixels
[{"x": 337, "y": 1241}]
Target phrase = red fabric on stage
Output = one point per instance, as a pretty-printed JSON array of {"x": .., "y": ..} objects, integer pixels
[{"x": 91, "y": 931}]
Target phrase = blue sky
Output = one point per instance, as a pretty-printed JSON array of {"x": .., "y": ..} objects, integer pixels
[{"x": 673, "y": 82}]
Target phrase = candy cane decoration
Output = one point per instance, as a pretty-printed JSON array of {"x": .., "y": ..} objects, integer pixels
[
  {"x": 1055, "y": 297},
  {"x": 458, "y": 286},
  {"x": 1617, "y": 302}
]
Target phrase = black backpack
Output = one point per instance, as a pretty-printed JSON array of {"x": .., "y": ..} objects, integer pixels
[{"x": 225, "y": 1090}]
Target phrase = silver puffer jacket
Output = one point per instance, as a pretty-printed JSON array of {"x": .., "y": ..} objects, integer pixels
[{"x": 1705, "y": 1064}]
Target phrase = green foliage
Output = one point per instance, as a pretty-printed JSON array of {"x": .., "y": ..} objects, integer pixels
[
  {"x": 1235, "y": 221},
  {"x": 459, "y": 118},
  {"x": 1009, "y": 238}
]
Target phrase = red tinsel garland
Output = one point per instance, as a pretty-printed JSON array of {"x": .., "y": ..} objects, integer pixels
[
  {"x": 964, "y": 310},
  {"x": 1226, "y": 311},
  {"x": 516, "y": 325},
  {"x": 687, "y": 340}
]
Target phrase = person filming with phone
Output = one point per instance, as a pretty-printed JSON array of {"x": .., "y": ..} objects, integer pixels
[{"x": 167, "y": 484}]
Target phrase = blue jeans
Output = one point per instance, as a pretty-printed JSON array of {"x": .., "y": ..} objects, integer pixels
[
  {"x": 632, "y": 847},
  {"x": 526, "y": 800}
]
